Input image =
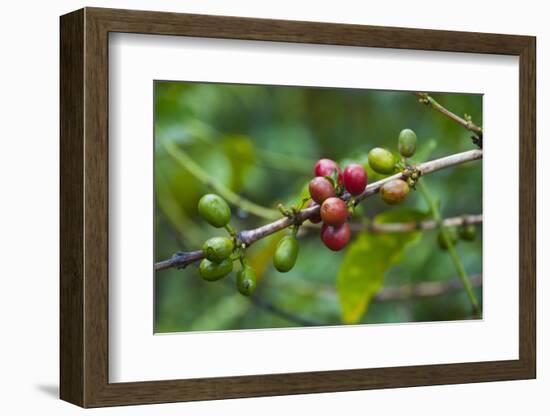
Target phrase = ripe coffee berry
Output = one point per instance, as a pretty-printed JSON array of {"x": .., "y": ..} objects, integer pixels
[
  {"x": 326, "y": 167},
  {"x": 394, "y": 191},
  {"x": 246, "y": 281},
  {"x": 355, "y": 178},
  {"x": 381, "y": 160},
  {"x": 334, "y": 211},
  {"x": 213, "y": 209},
  {"x": 335, "y": 238},
  {"x": 315, "y": 219},
  {"x": 286, "y": 253},
  {"x": 406, "y": 142},
  {"x": 320, "y": 189}
]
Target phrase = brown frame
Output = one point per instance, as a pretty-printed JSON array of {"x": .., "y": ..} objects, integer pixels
[{"x": 84, "y": 208}]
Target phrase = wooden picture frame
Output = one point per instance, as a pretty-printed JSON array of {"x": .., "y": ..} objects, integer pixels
[{"x": 84, "y": 207}]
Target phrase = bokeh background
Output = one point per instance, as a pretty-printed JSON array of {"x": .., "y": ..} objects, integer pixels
[{"x": 260, "y": 143}]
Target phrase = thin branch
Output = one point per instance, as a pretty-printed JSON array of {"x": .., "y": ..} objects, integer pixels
[
  {"x": 201, "y": 175},
  {"x": 424, "y": 290},
  {"x": 180, "y": 260},
  {"x": 388, "y": 294},
  {"x": 449, "y": 244},
  {"x": 407, "y": 227},
  {"x": 425, "y": 98},
  {"x": 248, "y": 237}
]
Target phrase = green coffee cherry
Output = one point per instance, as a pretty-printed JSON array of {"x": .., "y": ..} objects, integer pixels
[
  {"x": 215, "y": 271},
  {"x": 453, "y": 237},
  {"x": 217, "y": 249},
  {"x": 286, "y": 254},
  {"x": 406, "y": 142},
  {"x": 467, "y": 232},
  {"x": 214, "y": 210},
  {"x": 246, "y": 281},
  {"x": 381, "y": 160}
]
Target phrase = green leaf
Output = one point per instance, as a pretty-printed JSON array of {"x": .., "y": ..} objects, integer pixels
[{"x": 367, "y": 259}]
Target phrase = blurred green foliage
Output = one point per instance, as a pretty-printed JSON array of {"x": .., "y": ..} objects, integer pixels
[{"x": 261, "y": 143}]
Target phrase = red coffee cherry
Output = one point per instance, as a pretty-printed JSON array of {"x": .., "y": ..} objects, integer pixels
[
  {"x": 315, "y": 219},
  {"x": 325, "y": 167},
  {"x": 335, "y": 238},
  {"x": 334, "y": 211},
  {"x": 320, "y": 189},
  {"x": 355, "y": 178}
]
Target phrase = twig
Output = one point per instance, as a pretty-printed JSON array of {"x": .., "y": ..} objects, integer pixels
[
  {"x": 449, "y": 244},
  {"x": 406, "y": 227},
  {"x": 423, "y": 290},
  {"x": 425, "y": 98},
  {"x": 194, "y": 169},
  {"x": 248, "y": 237}
]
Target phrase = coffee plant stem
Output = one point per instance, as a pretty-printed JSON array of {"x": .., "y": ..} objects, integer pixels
[
  {"x": 248, "y": 237},
  {"x": 407, "y": 227},
  {"x": 467, "y": 124},
  {"x": 194, "y": 169},
  {"x": 434, "y": 209}
]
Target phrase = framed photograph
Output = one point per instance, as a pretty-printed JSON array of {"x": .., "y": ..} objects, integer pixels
[{"x": 254, "y": 207}]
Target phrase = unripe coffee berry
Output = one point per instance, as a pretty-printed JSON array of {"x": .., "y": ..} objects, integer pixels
[
  {"x": 381, "y": 160},
  {"x": 215, "y": 271},
  {"x": 453, "y": 237},
  {"x": 335, "y": 238},
  {"x": 467, "y": 232},
  {"x": 321, "y": 188},
  {"x": 217, "y": 249},
  {"x": 406, "y": 142},
  {"x": 355, "y": 178},
  {"x": 326, "y": 167},
  {"x": 394, "y": 191},
  {"x": 316, "y": 218},
  {"x": 246, "y": 281},
  {"x": 286, "y": 253},
  {"x": 334, "y": 211},
  {"x": 213, "y": 209}
]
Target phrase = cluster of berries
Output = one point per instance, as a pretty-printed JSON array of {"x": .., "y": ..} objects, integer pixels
[
  {"x": 326, "y": 190},
  {"x": 383, "y": 161},
  {"x": 218, "y": 251}
]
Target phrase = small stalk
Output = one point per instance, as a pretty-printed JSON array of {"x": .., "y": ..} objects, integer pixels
[{"x": 451, "y": 249}]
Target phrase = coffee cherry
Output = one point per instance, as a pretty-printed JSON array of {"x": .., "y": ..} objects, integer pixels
[
  {"x": 335, "y": 238},
  {"x": 406, "y": 142},
  {"x": 325, "y": 167},
  {"x": 320, "y": 189},
  {"x": 246, "y": 281},
  {"x": 334, "y": 211},
  {"x": 315, "y": 219},
  {"x": 453, "y": 237},
  {"x": 381, "y": 160},
  {"x": 394, "y": 191},
  {"x": 217, "y": 249},
  {"x": 467, "y": 232},
  {"x": 286, "y": 253},
  {"x": 355, "y": 178},
  {"x": 215, "y": 271},
  {"x": 214, "y": 210}
]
